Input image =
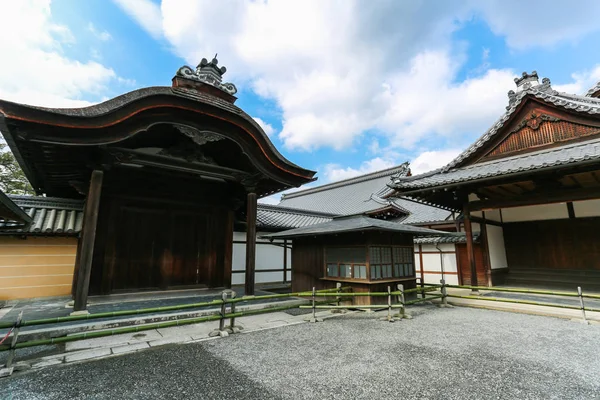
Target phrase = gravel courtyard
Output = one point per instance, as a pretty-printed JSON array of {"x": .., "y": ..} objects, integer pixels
[{"x": 458, "y": 353}]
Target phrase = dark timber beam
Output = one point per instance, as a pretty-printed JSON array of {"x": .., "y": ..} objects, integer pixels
[
  {"x": 562, "y": 195},
  {"x": 250, "y": 243},
  {"x": 485, "y": 221},
  {"x": 88, "y": 237},
  {"x": 470, "y": 248}
]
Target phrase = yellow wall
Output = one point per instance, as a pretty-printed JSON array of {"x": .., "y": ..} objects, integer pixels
[{"x": 36, "y": 267}]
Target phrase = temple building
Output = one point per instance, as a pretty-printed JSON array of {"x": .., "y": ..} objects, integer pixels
[
  {"x": 161, "y": 174},
  {"x": 531, "y": 186}
]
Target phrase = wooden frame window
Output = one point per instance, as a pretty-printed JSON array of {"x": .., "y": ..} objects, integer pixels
[
  {"x": 386, "y": 262},
  {"x": 346, "y": 262},
  {"x": 369, "y": 263}
]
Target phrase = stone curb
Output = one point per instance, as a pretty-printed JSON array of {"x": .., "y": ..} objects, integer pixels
[
  {"x": 120, "y": 349},
  {"x": 140, "y": 320}
]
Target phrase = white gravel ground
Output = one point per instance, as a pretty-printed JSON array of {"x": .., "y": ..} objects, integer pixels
[{"x": 458, "y": 353}]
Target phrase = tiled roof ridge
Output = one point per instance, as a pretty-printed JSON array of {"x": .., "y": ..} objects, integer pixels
[
  {"x": 300, "y": 211},
  {"x": 593, "y": 90},
  {"x": 345, "y": 182},
  {"x": 542, "y": 92},
  {"x": 46, "y": 202}
]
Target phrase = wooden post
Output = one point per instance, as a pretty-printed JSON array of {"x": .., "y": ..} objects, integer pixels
[
  {"x": 486, "y": 250},
  {"x": 250, "y": 243},
  {"x": 88, "y": 237},
  {"x": 284, "y": 260},
  {"x": 422, "y": 270},
  {"x": 470, "y": 249}
]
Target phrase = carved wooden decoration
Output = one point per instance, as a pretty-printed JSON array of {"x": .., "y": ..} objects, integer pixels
[{"x": 540, "y": 130}]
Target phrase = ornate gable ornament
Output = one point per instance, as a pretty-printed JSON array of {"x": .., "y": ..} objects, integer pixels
[
  {"x": 206, "y": 73},
  {"x": 537, "y": 130},
  {"x": 403, "y": 172}
]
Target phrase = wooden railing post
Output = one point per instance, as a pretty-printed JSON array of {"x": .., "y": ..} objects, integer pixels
[
  {"x": 314, "y": 308},
  {"x": 580, "y": 295},
  {"x": 13, "y": 343}
]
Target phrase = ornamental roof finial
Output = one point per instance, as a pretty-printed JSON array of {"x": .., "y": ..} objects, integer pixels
[
  {"x": 527, "y": 80},
  {"x": 208, "y": 73}
]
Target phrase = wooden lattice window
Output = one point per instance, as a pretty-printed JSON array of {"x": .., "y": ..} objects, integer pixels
[{"x": 346, "y": 262}]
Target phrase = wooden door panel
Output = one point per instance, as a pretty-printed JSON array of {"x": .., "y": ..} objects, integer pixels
[{"x": 137, "y": 264}]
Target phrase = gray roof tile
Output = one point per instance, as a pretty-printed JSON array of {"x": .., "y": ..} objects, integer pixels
[
  {"x": 50, "y": 215},
  {"x": 355, "y": 223},
  {"x": 562, "y": 155},
  {"x": 276, "y": 217},
  {"x": 361, "y": 194},
  {"x": 593, "y": 90}
]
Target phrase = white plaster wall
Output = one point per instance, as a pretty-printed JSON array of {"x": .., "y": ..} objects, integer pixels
[
  {"x": 268, "y": 256},
  {"x": 496, "y": 247},
  {"x": 493, "y": 215},
  {"x": 587, "y": 208},
  {"x": 432, "y": 262},
  {"x": 535, "y": 213},
  {"x": 436, "y": 278}
]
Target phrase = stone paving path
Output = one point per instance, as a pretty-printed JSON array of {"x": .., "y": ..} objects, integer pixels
[{"x": 96, "y": 348}]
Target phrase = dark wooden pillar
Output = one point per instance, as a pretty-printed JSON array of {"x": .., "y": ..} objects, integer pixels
[
  {"x": 486, "y": 250},
  {"x": 284, "y": 260},
  {"x": 422, "y": 266},
  {"x": 88, "y": 237},
  {"x": 470, "y": 248},
  {"x": 250, "y": 243}
]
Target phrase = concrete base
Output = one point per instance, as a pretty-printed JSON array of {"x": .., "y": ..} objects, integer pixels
[
  {"x": 219, "y": 333},
  {"x": 313, "y": 320},
  {"x": 81, "y": 312},
  {"x": 4, "y": 372}
]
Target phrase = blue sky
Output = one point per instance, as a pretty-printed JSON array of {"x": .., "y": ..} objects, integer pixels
[{"x": 341, "y": 87}]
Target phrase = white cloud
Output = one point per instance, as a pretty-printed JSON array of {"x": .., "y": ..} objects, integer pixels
[
  {"x": 424, "y": 100},
  {"x": 430, "y": 160},
  {"x": 582, "y": 81},
  {"x": 335, "y": 172},
  {"x": 38, "y": 72},
  {"x": 146, "y": 13},
  {"x": 539, "y": 22},
  {"x": 340, "y": 71},
  {"x": 268, "y": 128},
  {"x": 100, "y": 35}
]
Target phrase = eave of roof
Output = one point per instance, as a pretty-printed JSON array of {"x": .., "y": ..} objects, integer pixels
[
  {"x": 454, "y": 238},
  {"x": 12, "y": 214},
  {"x": 358, "y": 223},
  {"x": 104, "y": 115},
  {"x": 579, "y": 153}
]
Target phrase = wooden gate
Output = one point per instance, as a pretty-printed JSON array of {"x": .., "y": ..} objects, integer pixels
[{"x": 157, "y": 246}]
